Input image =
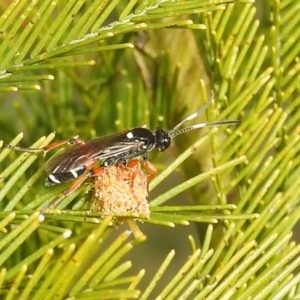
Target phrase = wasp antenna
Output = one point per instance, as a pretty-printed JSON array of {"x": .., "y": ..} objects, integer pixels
[
  {"x": 202, "y": 125},
  {"x": 194, "y": 115}
]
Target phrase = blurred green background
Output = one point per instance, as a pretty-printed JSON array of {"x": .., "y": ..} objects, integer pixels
[{"x": 92, "y": 68}]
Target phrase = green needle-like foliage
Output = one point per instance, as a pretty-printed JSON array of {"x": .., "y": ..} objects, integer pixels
[{"x": 91, "y": 68}]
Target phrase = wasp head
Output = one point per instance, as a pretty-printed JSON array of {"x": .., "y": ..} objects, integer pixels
[{"x": 162, "y": 139}]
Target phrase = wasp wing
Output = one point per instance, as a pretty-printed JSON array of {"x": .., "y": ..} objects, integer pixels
[{"x": 79, "y": 156}]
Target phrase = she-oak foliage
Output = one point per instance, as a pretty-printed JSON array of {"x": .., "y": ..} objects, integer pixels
[{"x": 118, "y": 64}]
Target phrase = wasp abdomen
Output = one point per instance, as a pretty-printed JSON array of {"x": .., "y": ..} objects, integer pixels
[{"x": 57, "y": 178}]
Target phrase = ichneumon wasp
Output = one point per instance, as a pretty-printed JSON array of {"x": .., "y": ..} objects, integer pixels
[{"x": 80, "y": 159}]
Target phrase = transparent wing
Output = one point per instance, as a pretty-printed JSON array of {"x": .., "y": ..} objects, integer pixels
[{"x": 97, "y": 149}]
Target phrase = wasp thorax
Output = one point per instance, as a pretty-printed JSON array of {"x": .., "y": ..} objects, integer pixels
[
  {"x": 141, "y": 135},
  {"x": 162, "y": 139}
]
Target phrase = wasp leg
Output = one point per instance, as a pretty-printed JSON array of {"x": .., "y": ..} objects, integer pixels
[
  {"x": 132, "y": 164},
  {"x": 89, "y": 172},
  {"x": 95, "y": 171},
  {"x": 67, "y": 192},
  {"x": 151, "y": 169},
  {"x": 17, "y": 148},
  {"x": 73, "y": 141}
]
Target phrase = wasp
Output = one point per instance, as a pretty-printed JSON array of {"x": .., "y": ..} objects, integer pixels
[{"x": 80, "y": 160}]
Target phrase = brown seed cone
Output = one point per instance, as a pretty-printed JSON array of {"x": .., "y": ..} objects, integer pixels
[{"x": 121, "y": 189}]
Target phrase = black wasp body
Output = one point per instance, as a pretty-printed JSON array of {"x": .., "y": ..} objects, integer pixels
[
  {"x": 81, "y": 156},
  {"x": 80, "y": 159}
]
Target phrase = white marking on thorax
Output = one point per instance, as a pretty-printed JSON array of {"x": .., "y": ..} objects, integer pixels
[{"x": 129, "y": 135}]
